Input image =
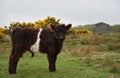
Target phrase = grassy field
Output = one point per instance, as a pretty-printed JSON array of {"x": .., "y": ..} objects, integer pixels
[{"x": 80, "y": 58}]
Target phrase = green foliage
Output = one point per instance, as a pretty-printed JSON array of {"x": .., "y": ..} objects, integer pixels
[{"x": 116, "y": 28}]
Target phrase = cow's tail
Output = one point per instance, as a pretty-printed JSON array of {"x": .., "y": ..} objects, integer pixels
[{"x": 32, "y": 53}]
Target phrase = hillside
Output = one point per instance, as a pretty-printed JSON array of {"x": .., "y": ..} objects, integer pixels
[
  {"x": 81, "y": 57},
  {"x": 101, "y": 28}
]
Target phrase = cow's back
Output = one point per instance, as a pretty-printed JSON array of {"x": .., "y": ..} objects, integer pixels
[{"x": 24, "y": 37}]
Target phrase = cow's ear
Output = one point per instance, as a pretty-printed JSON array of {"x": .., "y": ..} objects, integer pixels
[
  {"x": 68, "y": 26},
  {"x": 52, "y": 26}
]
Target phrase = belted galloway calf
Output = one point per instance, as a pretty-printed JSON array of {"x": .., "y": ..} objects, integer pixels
[{"x": 49, "y": 41}]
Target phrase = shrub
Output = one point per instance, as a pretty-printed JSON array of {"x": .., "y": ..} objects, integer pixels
[
  {"x": 37, "y": 24},
  {"x": 80, "y": 32},
  {"x": 84, "y": 50},
  {"x": 2, "y": 33},
  {"x": 6, "y": 38},
  {"x": 92, "y": 40},
  {"x": 14, "y": 25},
  {"x": 113, "y": 46}
]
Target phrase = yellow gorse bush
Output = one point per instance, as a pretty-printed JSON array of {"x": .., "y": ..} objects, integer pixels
[
  {"x": 2, "y": 32},
  {"x": 37, "y": 24},
  {"x": 14, "y": 25},
  {"x": 80, "y": 32},
  {"x": 45, "y": 23}
]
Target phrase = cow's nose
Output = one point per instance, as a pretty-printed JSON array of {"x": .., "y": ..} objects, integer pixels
[{"x": 61, "y": 37}]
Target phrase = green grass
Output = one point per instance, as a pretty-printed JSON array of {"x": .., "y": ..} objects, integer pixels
[
  {"x": 97, "y": 64},
  {"x": 67, "y": 67}
]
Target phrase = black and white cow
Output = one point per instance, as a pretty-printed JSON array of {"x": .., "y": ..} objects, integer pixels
[{"x": 47, "y": 41}]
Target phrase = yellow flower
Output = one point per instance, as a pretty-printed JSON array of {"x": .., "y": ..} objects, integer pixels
[{"x": 2, "y": 32}]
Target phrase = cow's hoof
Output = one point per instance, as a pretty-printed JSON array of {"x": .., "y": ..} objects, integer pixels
[
  {"x": 52, "y": 70},
  {"x": 12, "y": 72}
]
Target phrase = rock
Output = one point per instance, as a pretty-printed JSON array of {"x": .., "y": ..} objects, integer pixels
[{"x": 102, "y": 28}]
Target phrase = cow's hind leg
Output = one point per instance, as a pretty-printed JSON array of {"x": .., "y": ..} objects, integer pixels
[{"x": 13, "y": 60}]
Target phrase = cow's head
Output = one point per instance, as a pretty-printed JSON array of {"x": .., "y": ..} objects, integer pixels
[{"x": 60, "y": 30}]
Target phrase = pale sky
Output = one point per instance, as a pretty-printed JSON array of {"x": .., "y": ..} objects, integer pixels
[{"x": 77, "y": 12}]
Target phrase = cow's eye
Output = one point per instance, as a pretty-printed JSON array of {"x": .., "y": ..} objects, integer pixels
[{"x": 64, "y": 31}]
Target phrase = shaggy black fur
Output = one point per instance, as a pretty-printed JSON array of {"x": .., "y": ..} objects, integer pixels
[{"x": 51, "y": 41}]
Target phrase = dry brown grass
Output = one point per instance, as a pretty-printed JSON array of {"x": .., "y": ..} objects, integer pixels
[
  {"x": 92, "y": 40},
  {"x": 84, "y": 50},
  {"x": 113, "y": 46},
  {"x": 110, "y": 63},
  {"x": 6, "y": 38}
]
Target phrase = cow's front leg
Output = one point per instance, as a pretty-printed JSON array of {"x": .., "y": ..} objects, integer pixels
[{"x": 52, "y": 60}]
